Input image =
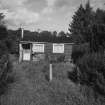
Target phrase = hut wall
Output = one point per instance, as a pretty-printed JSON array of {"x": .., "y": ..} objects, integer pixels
[{"x": 48, "y": 52}]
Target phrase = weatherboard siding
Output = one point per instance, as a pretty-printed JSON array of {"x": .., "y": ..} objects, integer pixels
[{"x": 48, "y": 50}]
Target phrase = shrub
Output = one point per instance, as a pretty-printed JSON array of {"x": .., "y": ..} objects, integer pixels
[
  {"x": 78, "y": 51},
  {"x": 5, "y": 73},
  {"x": 92, "y": 71},
  {"x": 61, "y": 58},
  {"x": 73, "y": 75},
  {"x": 3, "y": 49}
]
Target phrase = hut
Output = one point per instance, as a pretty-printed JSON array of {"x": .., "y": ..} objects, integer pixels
[
  {"x": 32, "y": 50},
  {"x": 35, "y": 51}
]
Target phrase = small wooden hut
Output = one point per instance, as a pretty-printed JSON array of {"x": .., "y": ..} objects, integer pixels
[{"x": 34, "y": 51}]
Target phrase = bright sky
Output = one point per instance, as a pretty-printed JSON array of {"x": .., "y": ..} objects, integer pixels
[{"x": 42, "y": 14}]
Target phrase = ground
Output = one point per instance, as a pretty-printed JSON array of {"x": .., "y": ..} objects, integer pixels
[{"x": 32, "y": 85}]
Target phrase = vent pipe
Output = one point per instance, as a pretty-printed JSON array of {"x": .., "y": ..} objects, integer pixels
[{"x": 22, "y": 33}]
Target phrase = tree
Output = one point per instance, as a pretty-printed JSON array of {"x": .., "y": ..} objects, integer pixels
[
  {"x": 89, "y": 20},
  {"x": 80, "y": 26},
  {"x": 54, "y": 33},
  {"x": 3, "y": 34},
  {"x": 5, "y": 65},
  {"x": 98, "y": 31},
  {"x": 54, "y": 36},
  {"x": 45, "y": 36},
  {"x": 3, "y": 30},
  {"x": 76, "y": 26},
  {"x": 62, "y": 36}
]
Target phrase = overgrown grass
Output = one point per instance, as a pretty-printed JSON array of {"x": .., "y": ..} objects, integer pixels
[{"x": 32, "y": 88}]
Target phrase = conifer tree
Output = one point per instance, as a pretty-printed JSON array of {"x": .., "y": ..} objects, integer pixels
[
  {"x": 80, "y": 27},
  {"x": 77, "y": 25}
]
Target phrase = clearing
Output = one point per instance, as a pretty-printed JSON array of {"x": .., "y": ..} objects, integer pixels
[{"x": 31, "y": 86}]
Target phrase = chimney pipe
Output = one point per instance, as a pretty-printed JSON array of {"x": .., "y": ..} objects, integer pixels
[{"x": 22, "y": 32}]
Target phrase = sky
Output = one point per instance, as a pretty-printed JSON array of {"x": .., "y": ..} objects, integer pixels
[{"x": 51, "y": 15}]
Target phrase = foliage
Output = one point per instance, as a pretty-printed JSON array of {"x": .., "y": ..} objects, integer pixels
[
  {"x": 88, "y": 26},
  {"x": 47, "y": 36},
  {"x": 77, "y": 24},
  {"x": 98, "y": 31},
  {"x": 79, "y": 50},
  {"x": 3, "y": 32},
  {"x": 3, "y": 36},
  {"x": 91, "y": 71},
  {"x": 3, "y": 49},
  {"x": 80, "y": 26},
  {"x": 5, "y": 64},
  {"x": 13, "y": 41},
  {"x": 61, "y": 58},
  {"x": 73, "y": 75},
  {"x": 14, "y": 36},
  {"x": 5, "y": 73}
]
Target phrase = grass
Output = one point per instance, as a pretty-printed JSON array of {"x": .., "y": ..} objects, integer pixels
[{"x": 31, "y": 86}]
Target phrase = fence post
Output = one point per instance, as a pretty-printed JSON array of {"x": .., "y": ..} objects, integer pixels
[
  {"x": 20, "y": 53},
  {"x": 50, "y": 73}
]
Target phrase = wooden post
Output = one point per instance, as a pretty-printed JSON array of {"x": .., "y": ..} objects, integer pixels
[
  {"x": 50, "y": 73},
  {"x": 31, "y": 58},
  {"x": 20, "y": 53}
]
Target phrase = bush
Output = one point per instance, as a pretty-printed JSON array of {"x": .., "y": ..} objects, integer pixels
[
  {"x": 73, "y": 75},
  {"x": 5, "y": 73},
  {"x": 92, "y": 71},
  {"x": 61, "y": 58},
  {"x": 3, "y": 49},
  {"x": 78, "y": 51},
  {"x": 3, "y": 32}
]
